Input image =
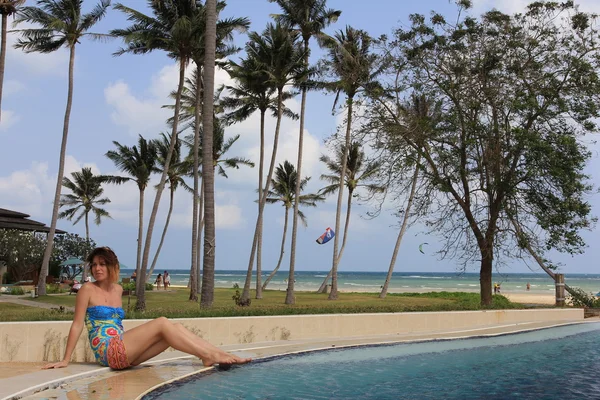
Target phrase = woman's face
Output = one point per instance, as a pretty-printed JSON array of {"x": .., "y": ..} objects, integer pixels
[{"x": 99, "y": 269}]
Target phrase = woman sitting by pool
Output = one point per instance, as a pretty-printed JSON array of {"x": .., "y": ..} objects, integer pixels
[{"x": 98, "y": 304}]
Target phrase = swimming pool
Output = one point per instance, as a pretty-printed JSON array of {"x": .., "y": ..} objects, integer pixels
[{"x": 557, "y": 363}]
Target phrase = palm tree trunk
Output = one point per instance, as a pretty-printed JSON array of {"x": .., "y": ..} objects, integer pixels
[
  {"x": 200, "y": 229},
  {"x": 411, "y": 197},
  {"x": 323, "y": 286},
  {"x": 263, "y": 200},
  {"x": 2, "y": 57},
  {"x": 285, "y": 226},
  {"x": 260, "y": 193},
  {"x": 87, "y": 240},
  {"x": 139, "y": 241},
  {"x": 290, "y": 298},
  {"x": 141, "y": 294},
  {"x": 162, "y": 238},
  {"x": 208, "y": 172},
  {"x": 333, "y": 295},
  {"x": 194, "y": 268},
  {"x": 61, "y": 170}
]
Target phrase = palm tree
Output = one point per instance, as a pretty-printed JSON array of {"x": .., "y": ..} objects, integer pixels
[
  {"x": 308, "y": 18},
  {"x": 353, "y": 67},
  {"x": 61, "y": 23},
  {"x": 357, "y": 172},
  {"x": 172, "y": 30},
  {"x": 280, "y": 57},
  {"x": 177, "y": 169},
  {"x": 284, "y": 191},
  {"x": 252, "y": 93},
  {"x": 7, "y": 8},
  {"x": 138, "y": 162},
  {"x": 86, "y": 190},
  {"x": 220, "y": 148},
  {"x": 208, "y": 173}
]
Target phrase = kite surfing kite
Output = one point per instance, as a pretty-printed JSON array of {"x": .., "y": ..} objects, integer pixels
[
  {"x": 326, "y": 237},
  {"x": 421, "y": 247}
]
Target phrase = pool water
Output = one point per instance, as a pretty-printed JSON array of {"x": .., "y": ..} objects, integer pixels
[{"x": 557, "y": 363}]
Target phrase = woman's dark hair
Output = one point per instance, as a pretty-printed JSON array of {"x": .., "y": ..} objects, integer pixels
[{"x": 111, "y": 260}]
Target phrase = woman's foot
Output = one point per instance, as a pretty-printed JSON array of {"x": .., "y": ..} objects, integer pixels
[{"x": 223, "y": 358}]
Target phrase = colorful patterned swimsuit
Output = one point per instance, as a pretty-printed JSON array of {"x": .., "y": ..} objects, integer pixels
[{"x": 105, "y": 332}]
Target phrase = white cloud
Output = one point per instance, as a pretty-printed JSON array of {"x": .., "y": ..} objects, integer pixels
[
  {"x": 9, "y": 119},
  {"x": 54, "y": 63},
  {"x": 228, "y": 214}
]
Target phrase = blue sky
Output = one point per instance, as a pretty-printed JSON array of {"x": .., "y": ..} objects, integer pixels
[{"x": 117, "y": 98}]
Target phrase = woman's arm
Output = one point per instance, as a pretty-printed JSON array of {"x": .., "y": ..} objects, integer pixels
[{"x": 81, "y": 304}]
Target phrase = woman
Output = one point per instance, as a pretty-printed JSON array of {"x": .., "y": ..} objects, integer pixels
[
  {"x": 158, "y": 281},
  {"x": 98, "y": 305},
  {"x": 167, "y": 280}
]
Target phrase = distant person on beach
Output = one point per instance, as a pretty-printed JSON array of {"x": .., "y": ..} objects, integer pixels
[
  {"x": 528, "y": 286},
  {"x": 167, "y": 280},
  {"x": 99, "y": 306},
  {"x": 134, "y": 276},
  {"x": 495, "y": 288},
  {"x": 158, "y": 282}
]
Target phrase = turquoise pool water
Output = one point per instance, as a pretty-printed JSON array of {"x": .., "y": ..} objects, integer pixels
[{"x": 559, "y": 363}]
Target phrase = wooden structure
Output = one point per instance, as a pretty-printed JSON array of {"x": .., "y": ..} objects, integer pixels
[
  {"x": 15, "y": 220},
  {"x": 559, "y": 282}
]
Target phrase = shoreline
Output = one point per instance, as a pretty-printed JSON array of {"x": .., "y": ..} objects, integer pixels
[{"x": 516, "y": 297}]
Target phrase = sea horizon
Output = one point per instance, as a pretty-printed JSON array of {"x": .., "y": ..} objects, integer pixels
[{"x": 402, "y": 281}]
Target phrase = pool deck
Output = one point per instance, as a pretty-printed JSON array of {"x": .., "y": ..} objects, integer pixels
[{"x": 92, "y": 382}]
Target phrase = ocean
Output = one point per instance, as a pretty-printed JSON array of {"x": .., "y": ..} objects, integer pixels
[{"x": 401, "y": 281}]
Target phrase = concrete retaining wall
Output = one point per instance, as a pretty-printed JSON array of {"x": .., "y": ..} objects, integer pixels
[{"x": 46, "y": 341}]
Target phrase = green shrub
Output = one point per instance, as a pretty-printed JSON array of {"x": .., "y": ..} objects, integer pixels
[
  {"x": 128, "y": 286},
  {"x": 582, "y": 299},
  {"x": 149, "y": 287},
  {"x": 17, "y": 290},
  {"x": 54, "y": 288}
]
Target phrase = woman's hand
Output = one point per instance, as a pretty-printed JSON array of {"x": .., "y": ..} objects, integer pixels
[{"x": 60, "y": 364}]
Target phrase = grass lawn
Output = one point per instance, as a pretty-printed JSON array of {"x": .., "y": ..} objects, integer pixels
[{"x": 175, "y": 304}]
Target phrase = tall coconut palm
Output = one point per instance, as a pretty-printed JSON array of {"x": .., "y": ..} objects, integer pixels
[
  {"x": 284, "y": 192},
  {"x": 177, "y": 170},
  {"x": 86, "y": 190},
  {"x": 208, "y": 173},
  {"x": 139, "y": 162},
  {"x": 61, "y": 23},
  {"x": 249, "y": 94},
  {"x": 357, "y": 175},
  {"x": 352, "y": 66},
  {"x": 171, "y": 29},
  {"x": 7, "y": 8},
  {"x": 220, "y": 148},
  {"x": 280, "y": 57},
  {"x": 308, "y": 18}
]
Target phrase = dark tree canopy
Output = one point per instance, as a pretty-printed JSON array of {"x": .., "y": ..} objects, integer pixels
[{"x": 514, "y": 96}]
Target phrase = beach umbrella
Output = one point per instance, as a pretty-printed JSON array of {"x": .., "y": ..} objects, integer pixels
[{"x": 71, "y": 261}]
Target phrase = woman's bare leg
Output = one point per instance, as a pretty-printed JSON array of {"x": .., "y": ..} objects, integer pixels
[
  {"x": 141, "y": 340},
  {"x": 151, "y": 352}
]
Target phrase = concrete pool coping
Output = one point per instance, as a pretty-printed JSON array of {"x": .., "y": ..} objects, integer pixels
[{"x": 89, "y": 381}]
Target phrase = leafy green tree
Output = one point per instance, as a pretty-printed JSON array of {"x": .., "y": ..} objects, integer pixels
[
  {"x": 171, "y": 29},
  {"x": 308, "y": 18},
  {"x": 61, "y": 24},
  {"x": 353, "y": 68},
  {"x": 284, "y": 192},
  {"x": 86, "y": 190},
  {"x": 70, "y": 245},
  {"x": 358, "y": 174},
  {"x": 22, "y": 252},
  {"x": 7, "y": 8},
  {"x": 517, "y": 93},
  {"x": 280, "y": 57},
  {"x": 139, "y": 162}
]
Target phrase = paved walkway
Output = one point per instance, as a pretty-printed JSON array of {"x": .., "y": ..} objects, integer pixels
[{"x": 22, "y": 300}]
